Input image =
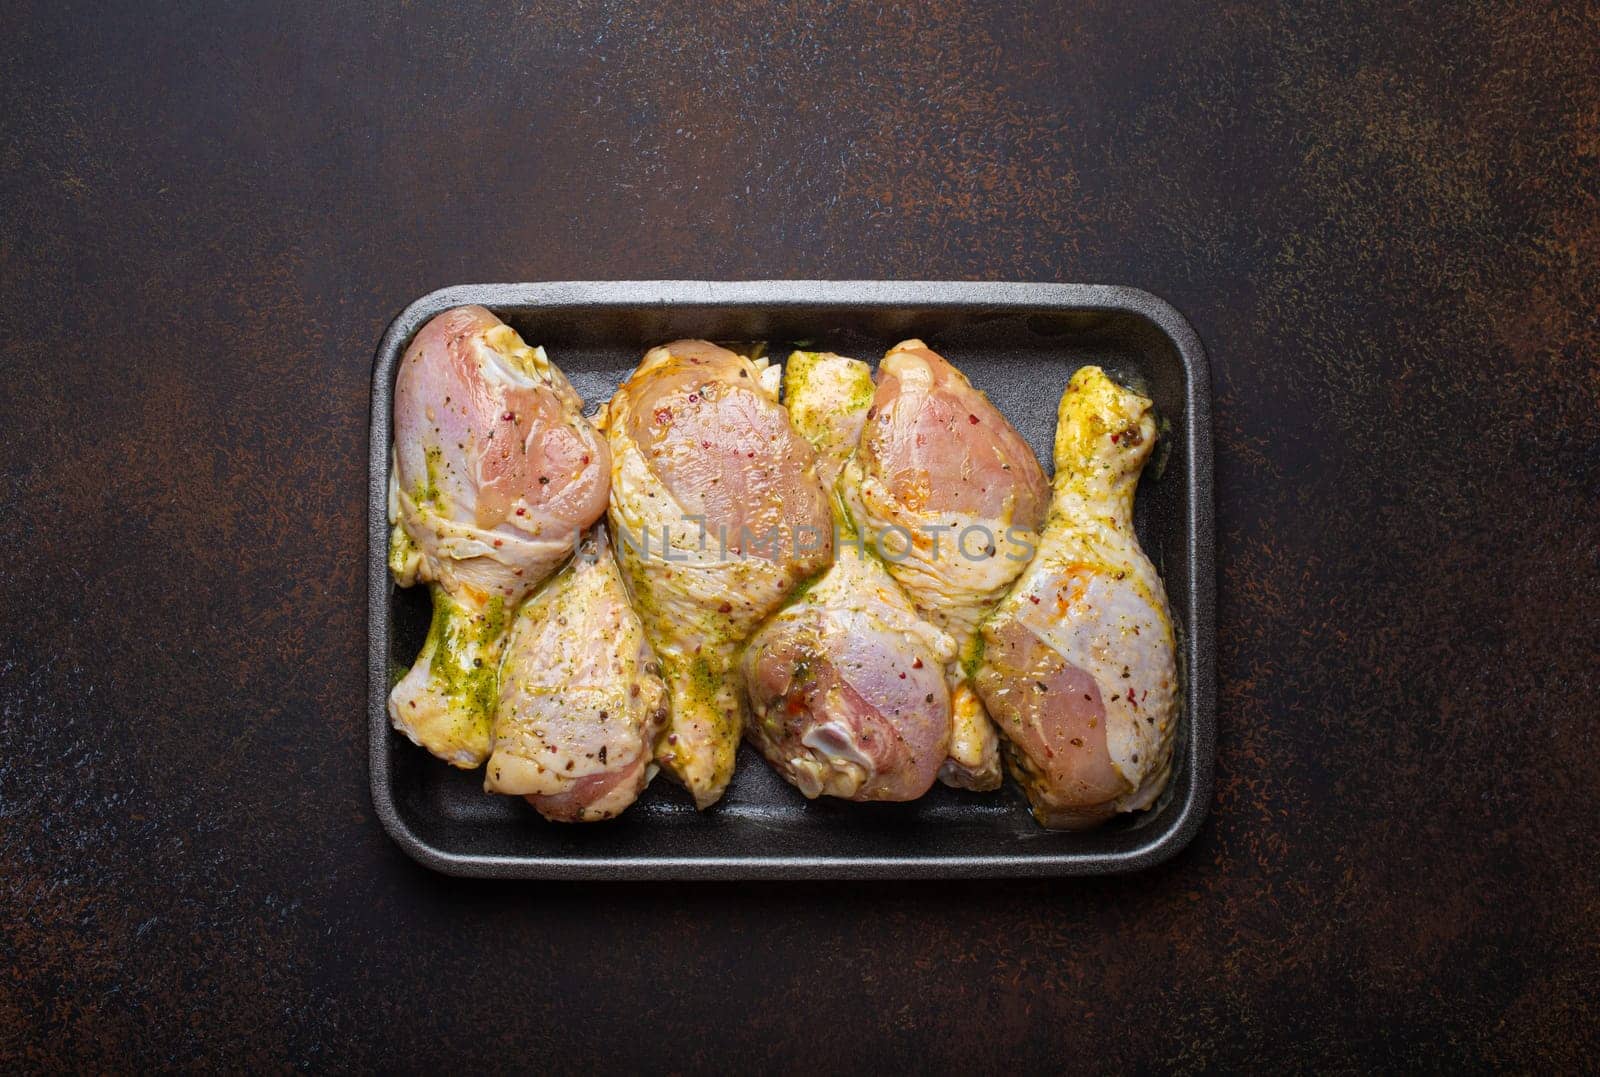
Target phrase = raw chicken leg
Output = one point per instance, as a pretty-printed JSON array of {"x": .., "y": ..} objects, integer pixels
[
  {"x": 847, "y": 684},
  {"x": 717, "y": 514},
  {"x": 1078, "y": 665},
  {"x": 496, "y": 472},
  {"x": 581, "y": 696},
  {"x": 952, "y": 496}
]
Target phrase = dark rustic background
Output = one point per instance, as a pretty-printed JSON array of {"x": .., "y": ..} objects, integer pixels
[{"x": 1385, "y": 226}]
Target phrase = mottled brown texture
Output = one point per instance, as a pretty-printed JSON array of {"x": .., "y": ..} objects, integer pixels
[{"x": 1384, "y": 223}]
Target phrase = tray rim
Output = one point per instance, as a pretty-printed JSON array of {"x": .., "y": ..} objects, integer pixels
[{"x": 1198, "y": 641}]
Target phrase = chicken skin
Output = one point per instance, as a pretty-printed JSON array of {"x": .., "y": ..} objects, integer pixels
[
  {"x": 1079, "y": 661},
  {"x": 495, "y": 474},
  {"x": 846, "y": 684},
  {"x": 953, "y": 497},
  {"x": 718, "y": 514},
  {"x": 581, "y": 696}
]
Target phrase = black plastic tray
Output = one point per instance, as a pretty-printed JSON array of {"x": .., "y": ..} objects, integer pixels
[{"x": 1017, "y": 342}]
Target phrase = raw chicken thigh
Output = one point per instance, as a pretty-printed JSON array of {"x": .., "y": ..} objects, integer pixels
[
  {"x": 1079, "y": 665},
  {"x": 847, "y": 683},
  {"x": 717, "y": 514},
  {"x": 496, "y": 472},
  {"x": 953, "y": 496},
  {"x": 581, "y": 696}
]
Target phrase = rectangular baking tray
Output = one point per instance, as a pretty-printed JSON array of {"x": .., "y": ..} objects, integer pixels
[{"x": 1017, "y": 342}]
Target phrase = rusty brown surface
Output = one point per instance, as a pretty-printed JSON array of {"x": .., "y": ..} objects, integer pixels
[{"x": 1384, "y": 224}]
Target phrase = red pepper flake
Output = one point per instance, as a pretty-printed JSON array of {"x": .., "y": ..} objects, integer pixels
[
  {"x": 663, "y": 415},
  {"x": 694, "y": 398},
  {"x": 726, "y": 607},
  {"x": 522, "y": 512},
  {"x": 902, "y": 675},
  {"x": 973, "y": 419},
  {"x": 1114, "y": 438},
  {"x": 872, "y": 413},
  {"x": 498, "y": 543},
  {"x": 1034, "y": 599},
  {"x": 705, "y": 444},
  {"x": 917, "y": 664},
  {"x": 510, "y": 416}
]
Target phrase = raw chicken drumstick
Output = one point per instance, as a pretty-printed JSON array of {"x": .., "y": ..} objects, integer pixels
[
  {"x": 1079, "y": 665},
  {"x": 953, "y": 496},
  {"x": 705, "y": 458},
  {"x": 846, "y": 684},
  {"x": 496, "y": 473},
  {"x": 581, "y": 696}
]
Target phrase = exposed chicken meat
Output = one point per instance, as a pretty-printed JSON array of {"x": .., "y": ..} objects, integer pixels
[
  {"x": 954, "y": 497},
  {"x": 581, "y": 696},
  {"x": 847, "y": 683},
  {"x": 495, "y": 474},
  {"x": 1079, "y": 666},
  {"x": 717, "y": 514}
]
